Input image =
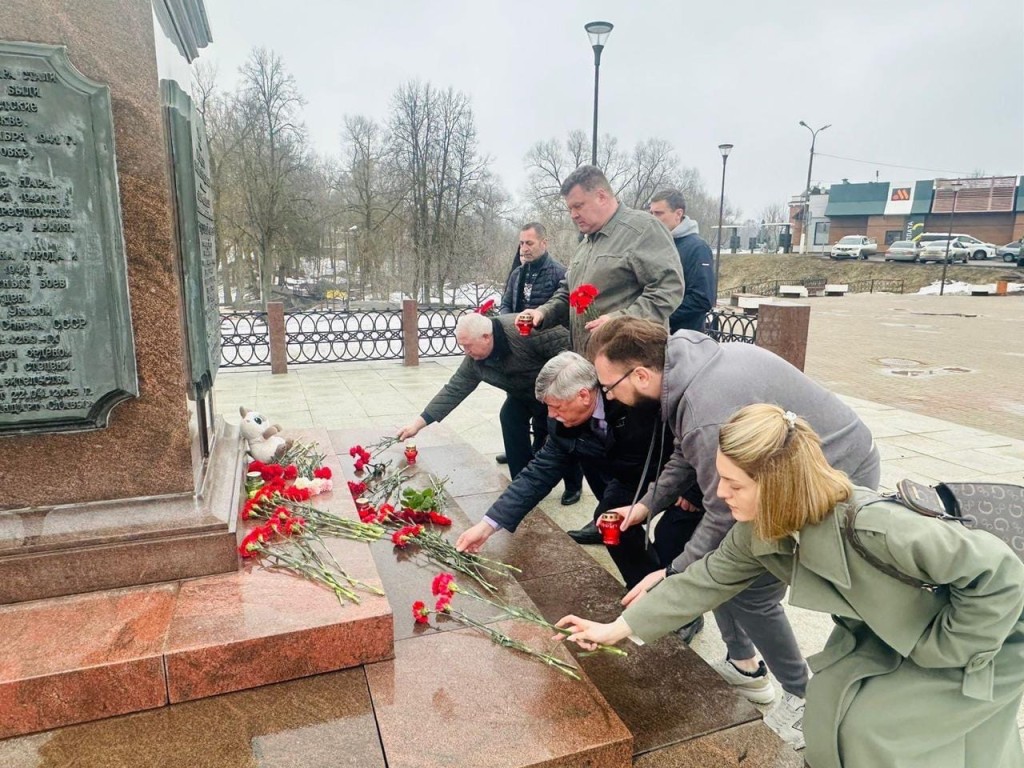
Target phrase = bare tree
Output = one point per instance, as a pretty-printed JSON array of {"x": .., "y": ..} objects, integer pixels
[{"x": 272, "y": 152}]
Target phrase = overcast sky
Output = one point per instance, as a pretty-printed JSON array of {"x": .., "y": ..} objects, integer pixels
[{"x": 933, "y": 86}]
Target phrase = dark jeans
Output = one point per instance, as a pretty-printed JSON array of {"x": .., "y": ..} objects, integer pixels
[
  {"x": 515, "y": 417},
  {"x": 634, "y": 556}
]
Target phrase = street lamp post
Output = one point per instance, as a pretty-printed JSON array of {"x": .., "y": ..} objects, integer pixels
[
  {"x": 725, "y": 149},
  {"x": 804, "y": 240},
  {"x": 954, "y": 185},
  {"x": 348, "y": 263},
  {"x": 598, "y": 32}
]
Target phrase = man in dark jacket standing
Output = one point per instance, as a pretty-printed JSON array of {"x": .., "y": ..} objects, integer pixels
[
  {"x": 536, "y": 279},
  {"x": 497, "y": 354},
  {"x": 669, "y": 207}
]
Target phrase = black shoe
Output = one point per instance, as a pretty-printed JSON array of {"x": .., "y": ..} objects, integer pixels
[
  {"x": 687, "y": 632},
  {"x": 501, "y": 458},
  {"x": 588, "y": 534},
  {"x": 571, "y": 497}
]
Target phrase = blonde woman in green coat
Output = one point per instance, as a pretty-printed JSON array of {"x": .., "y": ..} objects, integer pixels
[{"x": 909, "y": 678}]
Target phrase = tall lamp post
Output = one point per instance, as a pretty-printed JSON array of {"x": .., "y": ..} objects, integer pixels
[
  {"x": 804, "y": 240},
  {"x": 725, "y": 149},
  {"x": 348, "y": 263},
  {"x": 954, "y": 185},
  {"x": 598, "y": 32}
]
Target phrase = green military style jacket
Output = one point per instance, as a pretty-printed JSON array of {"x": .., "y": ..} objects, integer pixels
[
  {"x": 512, "y": 366},
  {"x": 908, "y": 677},
  {"x": 633, "y": 263}
]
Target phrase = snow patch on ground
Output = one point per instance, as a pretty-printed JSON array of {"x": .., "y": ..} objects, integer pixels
[{"x": 960, "y": 288}]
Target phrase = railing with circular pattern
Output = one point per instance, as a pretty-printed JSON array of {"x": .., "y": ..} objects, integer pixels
[
  {"x": 244, "y": 339},
  {"x": 333, "y": 337},
  {"x": 731, "y": 326}
]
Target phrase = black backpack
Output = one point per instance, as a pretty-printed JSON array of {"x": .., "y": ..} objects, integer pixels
[{"x": 994, "y": 507}]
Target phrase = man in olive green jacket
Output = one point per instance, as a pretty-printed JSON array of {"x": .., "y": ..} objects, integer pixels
[
  {"x": 627, "y": 255},
  {"x": 909, "y": 677}
]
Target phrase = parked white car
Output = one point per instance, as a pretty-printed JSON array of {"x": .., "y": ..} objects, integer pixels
[
  {"x": 854, "y": 247},
  {"x": 935, "y": 250},
  {"x": 978, "y": 249}
]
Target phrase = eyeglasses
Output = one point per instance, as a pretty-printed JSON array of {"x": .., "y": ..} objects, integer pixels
[{"x": 609, "y": 387}]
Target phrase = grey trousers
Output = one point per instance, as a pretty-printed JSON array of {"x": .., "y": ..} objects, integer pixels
[{"x": 754, "y": 618}]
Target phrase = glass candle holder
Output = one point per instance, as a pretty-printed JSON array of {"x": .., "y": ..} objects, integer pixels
[
  {"x": 608, "y": 525},
  {"x": 524, "y": 326},
  {"x": 411, "y": 453}
]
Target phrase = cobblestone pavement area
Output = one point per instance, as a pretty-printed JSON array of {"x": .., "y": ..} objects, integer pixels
[
  {"x": 937, "y": 379},
  {"x": 956, "y": 358}
]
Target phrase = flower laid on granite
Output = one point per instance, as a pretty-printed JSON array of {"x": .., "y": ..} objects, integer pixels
[
  {"x": 445, "y": 587},
  {"x": 422, "y": 507},
  {"x": 440, "y": 551},
  {"x": 582, "y": 298},
  {"x": 364, "y": 457}
]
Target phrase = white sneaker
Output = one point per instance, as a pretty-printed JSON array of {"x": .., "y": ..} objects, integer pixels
[
  {"x": 755, "y": 687},
  {"x": 787, "y": 719}
]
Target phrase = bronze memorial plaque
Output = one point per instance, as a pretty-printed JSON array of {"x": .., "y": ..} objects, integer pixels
[{"x": 66, "y": 347}]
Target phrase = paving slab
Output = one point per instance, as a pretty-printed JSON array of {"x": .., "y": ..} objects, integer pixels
[{"x": 319, "y": 722}]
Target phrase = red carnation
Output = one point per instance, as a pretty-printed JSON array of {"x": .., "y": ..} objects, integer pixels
[
  {"x": 297, "y": 494},
  {"x": 443, "y": 604},
  {"x": 438, "y": 519},
  {"x": 247, "y": 508},
  {"x": 255, "y": 466},
  {"x": 582, "y": 298},
  {"x": 356, "y": 489},
  {"x": 295, "y": 525},
  {"x": 486, "y": 307},
  {"x": 360, "y": 465},
  {"x": 322, "y": 472},
  {"x": 291, "y": 472},
  {"x": 442, "y": 584},
  {"x": 253, "y": 542},
  {"x": 420, "y": 612},
  {"x": 355, "y": 449}
]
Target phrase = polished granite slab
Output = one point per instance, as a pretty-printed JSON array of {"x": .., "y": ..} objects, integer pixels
[
  {"x": 664, "y": 692},
  {"x": 458, "y": 699},
  {"x": 752, "y": 745},
  {"x": 82, "y": 657},
  {"x": 318, "y": 722},
  {"x": 90, "y": 656}
]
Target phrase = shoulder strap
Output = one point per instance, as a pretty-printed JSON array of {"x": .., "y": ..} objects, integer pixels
[{"x": 850, "y": 532}]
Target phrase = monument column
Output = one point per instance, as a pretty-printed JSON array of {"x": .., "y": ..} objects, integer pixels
[{"x": 88, "y": 209}]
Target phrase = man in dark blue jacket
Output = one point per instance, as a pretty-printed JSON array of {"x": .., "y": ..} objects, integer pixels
[
  {"x": 536, "y": 279},
  {"x": 669, "y": 207},
  {"x": 619, "y": 450}
]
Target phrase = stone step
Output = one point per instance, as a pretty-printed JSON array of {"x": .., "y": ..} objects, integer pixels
[
  {"x": 84, "y": 657},
  {"x": 78, "y": 548}
]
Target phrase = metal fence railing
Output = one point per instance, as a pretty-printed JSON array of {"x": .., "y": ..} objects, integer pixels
[
  {"x": 333, "y": 337},
  {"x": 876, "y": 286},
  {"x": 244, "y": 339},
  {"x": 814, "y": 286},
  {"x": 731, "y": 326}
]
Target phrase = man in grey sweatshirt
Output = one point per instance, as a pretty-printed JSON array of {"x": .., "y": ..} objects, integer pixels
[{"x": 700, "y": 384}]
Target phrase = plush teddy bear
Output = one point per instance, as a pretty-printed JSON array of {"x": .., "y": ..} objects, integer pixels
[{"x": 262, "y": 440}]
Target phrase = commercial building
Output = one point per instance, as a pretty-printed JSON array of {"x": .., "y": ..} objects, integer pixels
[{"x": 990, "y": 208}]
